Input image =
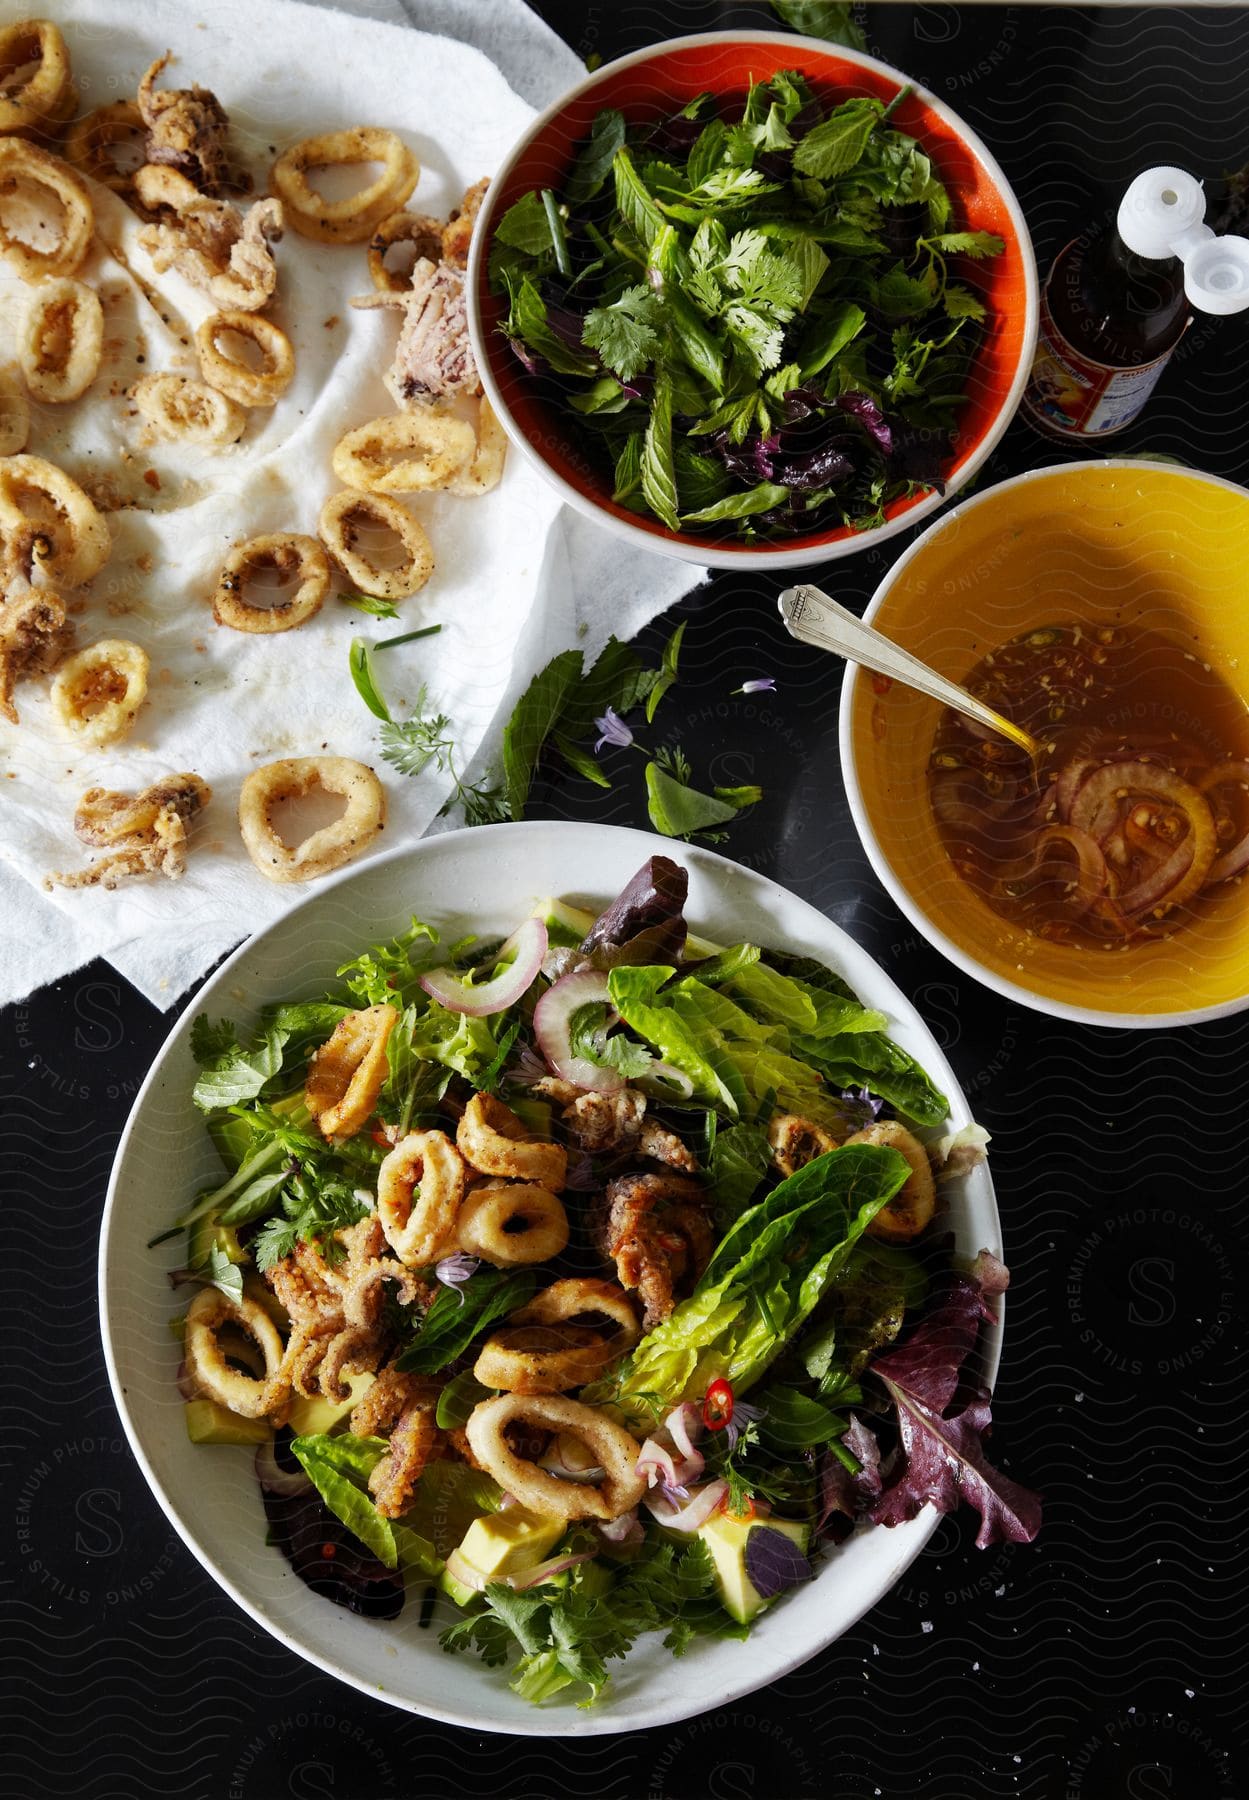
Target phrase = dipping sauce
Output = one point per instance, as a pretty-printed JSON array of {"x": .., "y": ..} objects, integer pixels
[{"x": 1138, "y": 805}]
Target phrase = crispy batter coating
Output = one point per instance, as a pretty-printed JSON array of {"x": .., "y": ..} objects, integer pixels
[
  {"x": 607, "y": 1123},
  {"x": 660, "y": 1237},
  {"x": 610, "y": 1444},
  {"x": 796, "y": 1141},
  {"x": 913, "y": 1205},
  {"x": 34, "y": 633},
  {"x": 495, "y": 1142},
  {"x": 458, "y": 230},
  {"x": 348, "y": 1072},
  {"x": 186, "y": 130},
  {"x": 403, "y": 1406},
  {"x": 336, "y": 1307},
  {"x": 146, "y": 833}
]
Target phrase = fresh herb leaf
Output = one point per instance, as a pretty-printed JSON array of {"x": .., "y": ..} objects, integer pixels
[
  {"x": 659, "y": 486},
  {"x": 594, "y": 161},
  {"x": 363, "y": 674},
  {"x": 223, "y": 1274},
  {"x": 832, "y": 148},
  {"x": 455, "y": 1319},
  {"x": 625, "y": 334},
  {"x": 525, "y": 226},
  {"x": 230, "y": 1073},
  {"x": 667, "y": 673},
  {"x": 828, "y": 19},
  {"x": 329, "y": 1464},
  {"x": 535, "y": 715},
  {"x": 763, "y": 498}
]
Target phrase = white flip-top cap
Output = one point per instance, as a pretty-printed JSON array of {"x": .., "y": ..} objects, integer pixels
[{"x": 1163, "y": 214}]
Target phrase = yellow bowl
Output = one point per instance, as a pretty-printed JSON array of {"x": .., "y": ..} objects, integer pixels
[{"x": 1103, "y": 543}]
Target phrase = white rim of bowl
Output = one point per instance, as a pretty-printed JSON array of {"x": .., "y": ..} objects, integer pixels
[
  {"x": 781, "y": 557},
  {"x": 547, "y": 1725},
  {"x": 903, "y": 899}
]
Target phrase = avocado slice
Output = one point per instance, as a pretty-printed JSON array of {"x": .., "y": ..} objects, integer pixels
[
  {"x": 208, "y": 1423},
  {"x": 497, "y": 1545},
  {"x": 205, "y": 1234},
  {"x": 313, "y": 1417},
  {"x": 725, "y": 1537}
]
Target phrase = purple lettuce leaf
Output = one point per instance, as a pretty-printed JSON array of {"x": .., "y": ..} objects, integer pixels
[
  {"x": 943, "y": 1415},
  {"x": 844, "y": 1496},
  {"x": 646, "y": 920}
]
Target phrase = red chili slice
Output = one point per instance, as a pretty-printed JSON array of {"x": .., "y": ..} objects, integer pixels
[{"x": 718, "y": 1405}]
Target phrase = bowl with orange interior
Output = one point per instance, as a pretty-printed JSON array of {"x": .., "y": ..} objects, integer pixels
[
  {"x": 752, "y": 299},
  {"x": 1104, "y": 606}
]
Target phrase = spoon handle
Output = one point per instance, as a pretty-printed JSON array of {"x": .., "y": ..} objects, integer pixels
[{"x": 813, "y": 617}]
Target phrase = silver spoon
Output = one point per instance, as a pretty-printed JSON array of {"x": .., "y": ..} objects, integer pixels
[{"x": 814, "y": 618}]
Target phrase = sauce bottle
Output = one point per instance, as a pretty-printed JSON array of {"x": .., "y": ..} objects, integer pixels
[{"x": 1117, "y": 301}]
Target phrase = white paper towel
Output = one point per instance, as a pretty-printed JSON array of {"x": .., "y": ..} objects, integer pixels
[{"x": 517, "y": 578}]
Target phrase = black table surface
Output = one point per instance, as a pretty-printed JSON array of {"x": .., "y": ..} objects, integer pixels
[{"x": 1108, "y": 1659}]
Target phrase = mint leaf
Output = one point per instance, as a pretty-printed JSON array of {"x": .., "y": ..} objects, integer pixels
[
  {"x": 828, "y": 19},
  {"x": 532, "y": 720},
  {"x": 836, "y": 146},
  {"x": 637, "y": 207},
  {"x": 525, "y": 226},
  {"x": 593, "y": 164},
  {"x": 659, "y": 487},
  {"x": 624, "y": 333},
  {"x": 667, "y": 673}
]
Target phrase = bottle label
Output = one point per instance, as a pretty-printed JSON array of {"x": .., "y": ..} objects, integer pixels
[{"x": 1071, "y": 394}]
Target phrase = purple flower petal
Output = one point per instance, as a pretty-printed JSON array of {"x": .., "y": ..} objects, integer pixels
[
  {"x": 762, "y": 684},
  {"x": 453, "y": 1271},
  {"x": 743, "y": 1414},
  {"x": 614, "y": 731}
]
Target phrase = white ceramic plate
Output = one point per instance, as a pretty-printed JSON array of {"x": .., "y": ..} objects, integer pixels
[{"x": 484, "y": 880}]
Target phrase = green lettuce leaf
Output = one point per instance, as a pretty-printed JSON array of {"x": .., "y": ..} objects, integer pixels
[{"x": 767, "y": 1275}]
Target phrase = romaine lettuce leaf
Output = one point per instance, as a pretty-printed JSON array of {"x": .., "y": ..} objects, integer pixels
[{"x": 767, "y": 1275}]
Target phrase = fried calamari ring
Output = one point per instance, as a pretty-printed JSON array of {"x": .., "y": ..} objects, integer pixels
[
  {"x": 48, "y": 526},
  {"x": 586, "y": 1298},
  {"x": 417, "y": 229},
  {"x": 405, "y": 453},
  {"x": 70, "y": 211},
  {"x": 420, "y": 1187},
  {"x": 207, "y": 1367},
  {"x": 539, "y": 1359},
  {"x": 186, "y": 411},
  {"x": 14, "y": 410},
  {"x": 43, "y": 96},
  {"x": 97, "y": 693},
  {"x": 512, "y": 1224},
  {"x": 93, "y": 136},
  {"x": 458, "y": 231},
  {"x": 331, "y": 846},
  {"x": 348, "y": 1072},
  {"x": 62, "y": 339},
  {"x": 236, "y": 379},
  {"x": 290, "y": 557},
  {"x": 346, "y": 520},
  {"x": 486, "y": 468},
  {"x": 611, "y": 1446},
  {"x": 913, "y": 1205},
  {"x": 495, "y": 1142},
  {"x": 354, "y": 219}
]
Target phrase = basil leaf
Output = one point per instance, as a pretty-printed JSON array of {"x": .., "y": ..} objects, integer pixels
[
  {"x": 532, "y": 720},
  {"x": 741, "y": 506},
  {"x": 838, "y": 144},
  {"x": 594, "y": 163},
  {"x": 456, "y": 1317}
]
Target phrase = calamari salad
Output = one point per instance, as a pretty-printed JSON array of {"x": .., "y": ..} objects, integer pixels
[{"x": 590, "y": 1284}]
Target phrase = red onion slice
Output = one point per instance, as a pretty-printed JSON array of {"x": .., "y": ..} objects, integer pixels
[
  {"x": 528, "y": 1578},
  {"x": 552, "y": 1022},
  {"x": 697, "y": 1510},
  {"x": 627, "y": 1529},
  {"x": 527, "y": 947},
  {"x": 287, "y": 1484}
]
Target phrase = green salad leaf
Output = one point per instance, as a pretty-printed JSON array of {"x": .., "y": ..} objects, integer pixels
[
  {"x": 767, "y": 1275},
  {"x": 457, "y": 1315}
]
